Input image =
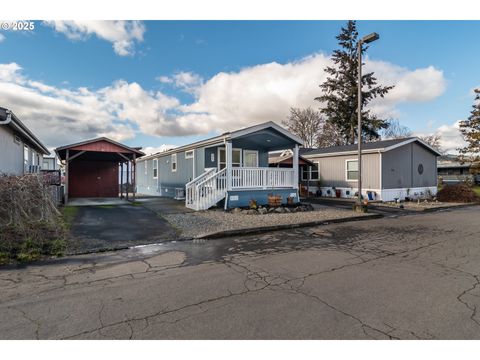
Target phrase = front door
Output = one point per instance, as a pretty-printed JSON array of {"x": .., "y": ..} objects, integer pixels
[{"x": 250, "y": 158}]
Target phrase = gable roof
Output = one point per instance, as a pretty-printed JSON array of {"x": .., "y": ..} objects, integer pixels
[
  {"x": 20, "y": 127},
  {"x": 370, "y": 147},
  {"x": 62, "y": 149},
  {"x": 229, "y": 136}
]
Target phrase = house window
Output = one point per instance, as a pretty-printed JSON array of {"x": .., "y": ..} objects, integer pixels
[
  {"x": 25, "y": 156},
  {"x": 174, "y": 162},
  {"x": 46, "y": 165},
  {"x": 250, "y": 158},
  {"x": 352, "y": 170},
  {"x": 155, "y": 168},
  {"x": 236, "y": 158},
  {"x": 189, "y": 154},
  {"x": 310, "y": 172}
]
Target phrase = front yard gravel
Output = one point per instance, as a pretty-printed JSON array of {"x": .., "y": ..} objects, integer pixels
[{"x": 202, "y": 223}]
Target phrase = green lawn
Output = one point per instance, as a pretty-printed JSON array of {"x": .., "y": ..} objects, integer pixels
[{"x": 476, "y": 189}]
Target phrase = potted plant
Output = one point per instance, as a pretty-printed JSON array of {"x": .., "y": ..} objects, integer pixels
[{"x": 252, "y": 204}]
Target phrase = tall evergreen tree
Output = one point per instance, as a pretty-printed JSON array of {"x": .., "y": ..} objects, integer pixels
[
  {"x": 470, "y": 130},
  {"x": 340, "y": 92}
]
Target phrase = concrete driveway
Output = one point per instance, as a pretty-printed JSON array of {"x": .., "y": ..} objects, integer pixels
[
  {"x": 400, "y": 277},
  {"x": 105, "y": 227}
]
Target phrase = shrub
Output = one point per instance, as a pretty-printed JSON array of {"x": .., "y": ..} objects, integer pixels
[
  {"x": 30, "y": 224},
  {"x": 457, "y": 193}
]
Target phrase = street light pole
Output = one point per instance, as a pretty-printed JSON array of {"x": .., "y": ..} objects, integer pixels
[{"x": 365, "y": 40}]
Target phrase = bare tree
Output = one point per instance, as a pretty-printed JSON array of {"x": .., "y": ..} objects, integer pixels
[
  {"x": 306, "y": 124},
  {"x": 395, "y": 130},
  {"x": 330, "y": 135},
  {"x": 433, "y": 140}
]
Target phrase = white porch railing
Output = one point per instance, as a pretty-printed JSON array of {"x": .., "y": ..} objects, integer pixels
[
  {"x": 209, "y": 188},
  {"x": 262, "y": 178},
  {"x": 203, "y": 194}
]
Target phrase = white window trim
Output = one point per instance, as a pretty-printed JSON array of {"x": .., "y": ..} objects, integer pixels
[
  {"x": 145, "y": 165},
  {"x": 309, "y": 172},
  {"x": 173, "y": 160},
  {"x": 346, "y": 170},
  {"x": 189, "y": 154},
  {"x": 249, "y": 151},
  {"x": 155, "y": 167},
  {"x": 236, "y": 149}
]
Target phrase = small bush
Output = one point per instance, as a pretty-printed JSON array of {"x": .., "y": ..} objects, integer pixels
[
  {"x": 30, "y": 224},
  {"x": 457, "y": 193}
]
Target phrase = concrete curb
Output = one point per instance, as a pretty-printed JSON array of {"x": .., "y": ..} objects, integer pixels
[
  {"x": 425, "y": 210},
  {"x": 263, "y": 229}
]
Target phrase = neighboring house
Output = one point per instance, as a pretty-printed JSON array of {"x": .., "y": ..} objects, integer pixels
[
  {"x": 232, "y": 167},
  {"x": 21, "y": 151},
  {"x": 50, "y": 163},
  {"x": 452, "y": 170},
  {"x": 391, "y": 169},
  {"x": 308, "y": 170}
]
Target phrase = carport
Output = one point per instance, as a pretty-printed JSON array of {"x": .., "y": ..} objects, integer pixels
[{"x": 97, "y": 168}]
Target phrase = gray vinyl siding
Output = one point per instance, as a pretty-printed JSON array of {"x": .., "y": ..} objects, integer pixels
[
  {"x": 11, "y": 159},
  {"x": 400, "y": 167},
  {"x": 332, "y": 171}
]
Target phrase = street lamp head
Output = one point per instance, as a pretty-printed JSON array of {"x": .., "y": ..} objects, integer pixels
[{"x": 370, "y": 38}]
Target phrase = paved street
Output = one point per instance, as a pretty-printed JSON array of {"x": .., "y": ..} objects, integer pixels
[{"x": 400, "y": 277}]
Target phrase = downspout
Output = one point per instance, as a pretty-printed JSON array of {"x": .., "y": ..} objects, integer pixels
[{"x": 8, "y": 120}]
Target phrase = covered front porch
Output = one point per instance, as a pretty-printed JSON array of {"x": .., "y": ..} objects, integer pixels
[{"x": 241, "y": 171}]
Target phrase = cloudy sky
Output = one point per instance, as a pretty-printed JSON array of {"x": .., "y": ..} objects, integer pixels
[{"x": 157, "y": 83}]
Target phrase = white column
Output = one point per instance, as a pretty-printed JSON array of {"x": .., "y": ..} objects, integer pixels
[
  {"x": 295, "y": 166},
  {"x": 228, "y": 158}
]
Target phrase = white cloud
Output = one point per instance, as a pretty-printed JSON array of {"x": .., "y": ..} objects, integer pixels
[
  {"x": 60, "y": 115},
  {"x": 122, "y": 34},
  {"x": 267, "y": 91},
  {"x": 184, "y": 80},
  {"x": 2, "y": 37},
  {"x": 450, "y": 137},
  {"x": 165, "y": 79},
  {"x": 149, "y": 150},
  {"x": 227, "y": 101}
]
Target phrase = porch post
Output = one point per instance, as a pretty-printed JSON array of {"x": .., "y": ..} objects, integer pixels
[
  {"x": 228, "y": 158},
  {"x": 295, "y": 166}
]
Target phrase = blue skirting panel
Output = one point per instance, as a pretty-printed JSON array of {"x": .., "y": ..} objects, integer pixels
[{"x": 242, "y": 198}]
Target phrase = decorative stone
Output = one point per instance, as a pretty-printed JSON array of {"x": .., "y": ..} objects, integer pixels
[
  {"x": 236, "y": 211},
  {"x": 262, "y": 211},
  {"x": 279, "y": 210}
]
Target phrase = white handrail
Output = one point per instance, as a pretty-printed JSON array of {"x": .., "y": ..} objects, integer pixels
[{"x": 207, "y": 192}]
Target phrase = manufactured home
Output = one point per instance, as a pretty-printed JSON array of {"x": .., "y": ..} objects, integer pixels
[
  {"x": 231, "y": 168},
  {"x": 391, "y": 169},
  {"x": 21, "y": 151}
]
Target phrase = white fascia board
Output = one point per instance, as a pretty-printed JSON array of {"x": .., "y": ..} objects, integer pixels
[{"x": 266, "y": 125}]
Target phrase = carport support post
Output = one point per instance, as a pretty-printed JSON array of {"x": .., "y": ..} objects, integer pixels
[
  {"x": 128, "y": 179},
  {"x": 121, "y": 180},
  {"x": 67, "y": 160},
  {"x": 134, "y": 174}
]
